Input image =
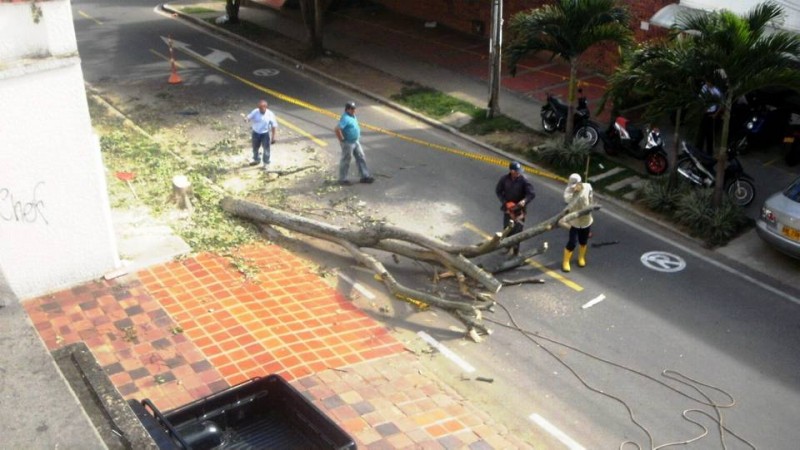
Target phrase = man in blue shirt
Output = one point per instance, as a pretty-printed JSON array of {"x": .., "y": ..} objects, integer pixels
[
  {"x": 265, "y": 129},
  {"x": 349, "y": 133}
]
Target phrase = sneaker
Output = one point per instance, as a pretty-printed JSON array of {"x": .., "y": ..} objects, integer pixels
[
  {"x": 254, "y": 163},
  {"x": 366, "y": 180},
  {"x": 345, "y": 182}
]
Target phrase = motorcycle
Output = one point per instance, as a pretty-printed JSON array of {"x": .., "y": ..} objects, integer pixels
[
  {"x": 699, "y": 168},
  {"x": 554, "y": 118},
  {"x": 751, "y": 130},
  {"x": 622, "y": 136}
]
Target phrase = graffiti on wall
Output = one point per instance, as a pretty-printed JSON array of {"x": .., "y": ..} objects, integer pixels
[{"x": 25, "y": 210}]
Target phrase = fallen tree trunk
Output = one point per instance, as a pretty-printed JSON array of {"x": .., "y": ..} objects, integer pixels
[{"x": 389, "y": 238}]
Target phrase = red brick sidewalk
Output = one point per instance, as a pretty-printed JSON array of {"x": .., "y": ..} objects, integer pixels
[{"x": 183, "y": 330}]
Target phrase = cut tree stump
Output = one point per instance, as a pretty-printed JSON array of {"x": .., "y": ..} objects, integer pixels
[{"x": 182, "y": 192}]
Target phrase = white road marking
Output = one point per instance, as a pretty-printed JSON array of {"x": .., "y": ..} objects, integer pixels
[
  {"x": 266, "y": 72},
  {"x": 711, "y": 261},
  {"x": 358, "y": 286},
  {"x": 555, "y": 432},
  {"x": 465, "y": 366},
  {"x": 594, "y": 301},
  {"x": 663, "y": 261}
]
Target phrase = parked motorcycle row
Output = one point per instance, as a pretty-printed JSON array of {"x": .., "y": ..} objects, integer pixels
[
  {"x": 620, "y": 137},
  {"x": 646, "y": 143}
]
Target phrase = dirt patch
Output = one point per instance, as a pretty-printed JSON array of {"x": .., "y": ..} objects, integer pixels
[{"x": 514, "y": 141}]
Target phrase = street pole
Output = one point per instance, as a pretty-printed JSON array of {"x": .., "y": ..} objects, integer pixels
[
  {"x": 318, "y": 45},
  {"x": 495, "y": 58}
]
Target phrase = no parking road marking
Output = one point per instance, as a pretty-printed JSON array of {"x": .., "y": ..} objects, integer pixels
[
  {"x": 266, "y": 72},
  {"x": 663, "y": 262}
]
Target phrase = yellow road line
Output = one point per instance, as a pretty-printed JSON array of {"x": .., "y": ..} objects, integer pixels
[
  {"x": 477, "y": 230},
  {"x": 89, "y": 17},
  {"x": 770, "y": 162},
  {"x": 295, "y": 101},
  {"x": 303, "y": 132},
  {"x": 555, "y": 275},
  {"x": 476, "y": 156},
  {"x": 551, "y": 273},
  {"x": 284, "y": 122}
]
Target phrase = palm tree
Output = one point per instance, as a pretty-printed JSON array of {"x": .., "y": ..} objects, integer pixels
[
  {"x": 747, "y": 55},
  {"x": 665, "y": 73},
  {"x": 566, "y": 29}
]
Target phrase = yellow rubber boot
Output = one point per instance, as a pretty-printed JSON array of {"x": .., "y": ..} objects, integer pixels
[
  {"x": 582, "y": 255},
  {"x": 565, "y": 264}
]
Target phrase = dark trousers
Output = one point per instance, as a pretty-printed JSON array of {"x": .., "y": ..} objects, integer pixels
[
  {"x": 708, "y": 135},
  {"x": 259, "y": 141},
  {"x": 578, "y": 235}
]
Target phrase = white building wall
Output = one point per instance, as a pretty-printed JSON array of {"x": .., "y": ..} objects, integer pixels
[
  {"x": 55, "y": 218},
  {"x": 791, "y": 9}
]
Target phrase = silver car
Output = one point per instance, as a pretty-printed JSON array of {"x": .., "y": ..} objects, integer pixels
[{"x": 779, "y": 223}]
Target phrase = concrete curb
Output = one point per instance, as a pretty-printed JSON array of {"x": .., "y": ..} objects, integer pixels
[{"x": 116, "y": 422}]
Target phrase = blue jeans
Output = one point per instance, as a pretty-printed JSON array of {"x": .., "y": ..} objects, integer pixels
[
  {"x": 354, "y": 149},
  {"x": 260, "y": 140}
]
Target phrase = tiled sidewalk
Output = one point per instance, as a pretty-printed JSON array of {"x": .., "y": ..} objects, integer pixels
[
  {"x": 182, "y": 330},
  {"x": 179, "y": 331}
]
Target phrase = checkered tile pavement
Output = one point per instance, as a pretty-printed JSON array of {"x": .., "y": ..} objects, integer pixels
[{"x": 179, "y": 331}]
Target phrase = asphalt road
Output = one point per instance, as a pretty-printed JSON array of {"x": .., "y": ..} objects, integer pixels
[{"x": 705, "y": 321}]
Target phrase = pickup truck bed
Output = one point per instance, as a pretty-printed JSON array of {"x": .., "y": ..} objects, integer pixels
[{"x": 262, "y": 413}]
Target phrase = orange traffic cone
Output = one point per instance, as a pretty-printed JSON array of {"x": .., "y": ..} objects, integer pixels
[{"x": 174, "y": 78}]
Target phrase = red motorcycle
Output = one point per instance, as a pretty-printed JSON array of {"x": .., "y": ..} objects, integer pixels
[{"x": 622, "y": 136}]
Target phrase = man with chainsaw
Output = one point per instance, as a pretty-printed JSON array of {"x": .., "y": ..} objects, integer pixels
[{"x": 515, "y": 193}]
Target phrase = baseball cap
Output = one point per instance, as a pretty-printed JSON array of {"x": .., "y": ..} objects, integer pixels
[{"x": 515, "y": 166}]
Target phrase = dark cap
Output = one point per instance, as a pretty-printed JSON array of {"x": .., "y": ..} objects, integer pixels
[
  {"x": 350, "y": 105},
  {"x": 515, "y": 166}
]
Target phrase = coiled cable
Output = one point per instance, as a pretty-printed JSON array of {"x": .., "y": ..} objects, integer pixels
[{"x": 703, "y": 398}]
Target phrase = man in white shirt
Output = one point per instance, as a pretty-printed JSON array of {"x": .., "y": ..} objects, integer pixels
[{"x": 265, "y": 129}]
